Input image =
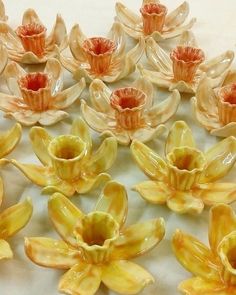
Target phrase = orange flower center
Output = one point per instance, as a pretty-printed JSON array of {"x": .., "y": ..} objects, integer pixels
[
  {"x": 227, "y": 104},
  {"x": 34, "y": 81}
]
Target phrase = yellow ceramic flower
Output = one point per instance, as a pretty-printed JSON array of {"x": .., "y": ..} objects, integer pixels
[
  {"x": 185, "y": 181},
  {"x": 213, "y": 267},
  {"x": 128, "y": 113},
  {"x": 102, "y": 58},
  {"x": 12, "y": 220},
  {"x": 3, "y": 16},
  {"x": 69, "y": 165},
  {"x": 154, "y": 20},
  {"x": 96, "y": 247},
  {"x": 38, "y": 97},
  {"x": 29, "y": 43}
]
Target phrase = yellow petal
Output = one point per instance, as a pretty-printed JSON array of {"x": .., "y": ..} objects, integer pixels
[
  {"x": 86, "y": 184},
  {"x": 195, "y": 256},
  {"x": 113, "y": 200},
  {"x": 3, "y": 52},
  {"x": 59, "y": 186},
  {"x": 220, "y": 160},
  {"x": 138, "y": 239},
  {"x": 10, "y": 139},
  {"x": 64, "y": 215},
  {"x": 1, "y": 190},
  {"x": 5, "y": 250},
  {"x": 81, "y": 279},
  {"x": 125, "y": 277},
  {"x": 180, "y": 135},
  {"x": 51, "y": 117},
  {"x": 150, "y": 163},
  {"x": 146, "y": 133},
  {"x": 153, "y": 191},
  {"x": 51, "y": 253},
  {"x": 14, "y": 218}
]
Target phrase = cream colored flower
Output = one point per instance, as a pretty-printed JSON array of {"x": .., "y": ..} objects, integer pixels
[
  {"x": 102, "y": 58},
  {"x": 38, "y": 97},
  {"x": 128, "y": 113},
  {"x": 185, "y": 181},
  {"x": 96, "y": 247},
  {"x": 69, "y": 165},
  {"x": 213, "y": 267},
  {"x": 29, "y": 43},
  {"x": 154, "y": 20},
  {"x": 3, "y": 16},
  {"x": 184, "y": 68}
]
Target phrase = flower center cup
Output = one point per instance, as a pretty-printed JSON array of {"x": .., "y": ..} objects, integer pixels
[
  {"x": 35, "y": 90},
  {"x": 67, "y": 153},
  {"x": 153, "y": 17},
  {"x": 185, "y": 167},
  {"x": 185, "y": 62},
  {"x": 99, "y": 53},
  {"x": 33, "y": 36},
  {"x": 128, "y": 104},
  {"x": 227, "y": 103}
]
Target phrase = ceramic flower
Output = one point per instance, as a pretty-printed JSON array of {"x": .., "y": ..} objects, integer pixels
[
  {"x": 128, "y": 113},
  {"x": 38, "y": 97},
  {"x": 185, "y": 181},
  {"x": 3, "y": 16},
  {"x": 185, "y": 66},
  {"x": 213, "y": 267},
  {"x": 96, "y": 247},
  {"x": 100, "y": 57},
  {"x": 30, "y": 44},
  {"x": 154, "y": 20},
  {"x": 69, "y": 165},
  {"x": 216, "y": 109}
]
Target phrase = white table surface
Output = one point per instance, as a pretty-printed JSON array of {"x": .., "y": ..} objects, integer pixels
[{"x": 215, "y": 31}]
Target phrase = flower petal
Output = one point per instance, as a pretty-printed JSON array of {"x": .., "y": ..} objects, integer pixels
[
  {"x": 153, "y": 191},
  {"x": 127, "y": 17},
  {"x": 146, "y": 134},
  {"x": 5, "y": 250},
  {"x": 136, "y": 34},
  {"x": 9, "y": 139},
  {"x": 14, "y": 218},
  {"x": 12, "y": 73},
  {"x": 195, "y": 256},
  {"x": 188, "y": 39},
  {"x": 51, "y": 253},
  {"x": 3, "y": 16},
  {"x": 54, "y": 70},
  {"x": 177, "y": 31},
  {"x": 86, "y": 184},
  {"x": 25, "y": 117},
  {"x": 125, "y": 277},
  {"x": 81, "y": 279},
  {"x": 9, "y": 38},
  {"x": 113, "y": 200},
  {"x": 122, "y": 136},
  {"x": 138, "y": 239},
  {"x": 69, "y": 64},
  {"x": 145, "y": 85},
  {"x": 230, "y": 78},
  {"x": 219, "y": 160},
  {"x": 4, "y": 58},
  {"x": 150, "y": 1},
  {"x": 177, "y": 16},
  {"x": 148, "y": 161},
  {"x": 58, "y": 35},
  {"x": 1, "y": 190},
  {"x": 225, "y": 131},
  {"x": 76, "y": 40},
  {"x": 117, "y": 34},
  {"x": 30, "y": 16},
  {"x": 180, "y": 135},
  {"x": 64, "y": 216},
  {"x": 57, "y": 185},
  {"x": 51, "y": 117}
]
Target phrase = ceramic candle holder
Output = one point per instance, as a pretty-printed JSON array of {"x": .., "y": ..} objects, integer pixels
[
  {"x": 96, "y": 247},
  {"x": 100, "y": 57},
  {"x": 29, "y": 44},
  {"x": 69, "y": 164},
  {"x": 38, "y": 97},
  {"x": 154, "y": 21},
  {"x": 213, "y": 267},
  {"x": 128, "y": 113},
  {"x": 186, "y": 180},
  {"x": 185, "y": 67}
]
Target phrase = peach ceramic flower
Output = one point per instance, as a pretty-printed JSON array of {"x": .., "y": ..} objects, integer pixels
[
  {"x": 30, "y": 44},
  {"x": 100, "y": 57},
  {"x": 185, "y": 181},
  {"x": 184, "y": 68},
  {"x": 128, "y": 113},
  {"x": 12, "y": 220},
  {"x": 213, "y": 267},
  {"x": 38, "y": 97},
  {"x": 69, "y": 165},
  {"x": 216, "y": 109},
  {"x": 3, "y": 16},
  {"x": 154, "y": 20},
  {"x": 96, "y": 247}
]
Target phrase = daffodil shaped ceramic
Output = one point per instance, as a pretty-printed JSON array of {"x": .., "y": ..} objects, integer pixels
[
  {"x": 128, "y": 113},
  {"x": 154, "y": 20},
  {"x": 185, "y": 66},
  {"x": 213, "y": 267},
  {"x": 38, "y": 97},
  {"x": 100, "y": 57},
  {"x": 12, "y": 220},
  {"x": 216, "y": 109},
  {"x": 3, "y": 16},
  {"x": 29, "y": 44},
  {"x": 69, "y": 165},
  {"x": 185, "y": 181},
  {"x": 96, "y": 247}
]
